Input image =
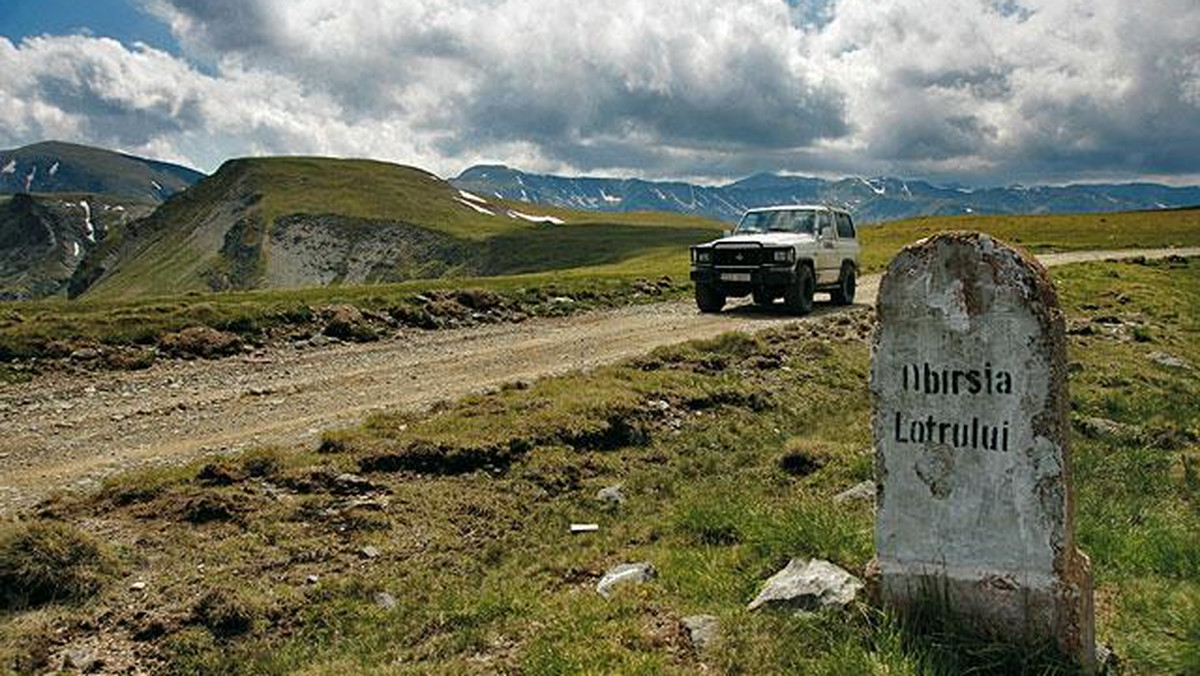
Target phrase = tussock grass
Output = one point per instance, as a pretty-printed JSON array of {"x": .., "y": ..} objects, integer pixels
[{"x": 46, "y": 561}]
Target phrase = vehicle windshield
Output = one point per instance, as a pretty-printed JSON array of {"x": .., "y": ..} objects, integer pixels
[{"x": 800, "y": 221}]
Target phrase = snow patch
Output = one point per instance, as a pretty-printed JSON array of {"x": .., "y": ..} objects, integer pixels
[
  {"x": 611, "y": 199},
  {"x": 74, "y": 249},
  {"x": 89, "y": 230},
  {"x": 156, "y": 185},
  {"x": 535, "y": 219},
  {"x": 29, "y": 179},
  {"x": 483, "y": 210},
  {"x": 878, "y": 191},
  {"x": 10, "y": 168},
  {"x": 472, "y": 197},
  {"x": 54, "y": 169}
]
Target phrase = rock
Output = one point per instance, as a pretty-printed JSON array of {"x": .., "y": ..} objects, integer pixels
[
  {"x": 808, "y": 585},
  {"x": 137, "y": 586},
  {"x": 385, "y": 600},
  {"x": 562, "y": 300},
  {"x": 85, "y": 354},
  {"x": 200, "y": 341},
  {"x": 313, "y": 579},
  {"x": 349, "y": 484},
  {"x": 80, "y": 659},
  {"x": 1170, "y": 361},
  {"x": 345, "y": 322},
  {"x": 861, "y": 491},
  {"x": 625, "y": 574},
  {"x": 1103, "y": 428},
  {"x": 702, "y": 630},
  {"x": 612, "y": 494},
  {"x": 369, "y": 552}
]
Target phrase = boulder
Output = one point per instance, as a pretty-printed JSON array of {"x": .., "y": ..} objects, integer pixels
[{"x": 807, "y": 586}]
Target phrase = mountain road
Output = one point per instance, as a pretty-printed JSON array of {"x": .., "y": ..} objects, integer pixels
[{"x": 71, "y": 431}]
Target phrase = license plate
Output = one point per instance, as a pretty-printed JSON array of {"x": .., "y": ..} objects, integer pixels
[{"x": 735, "y": 276}]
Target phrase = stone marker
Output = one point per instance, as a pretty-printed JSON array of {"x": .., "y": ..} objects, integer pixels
[{"x": 975, "y": 507}]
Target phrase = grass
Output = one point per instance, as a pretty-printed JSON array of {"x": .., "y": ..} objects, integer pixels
[
  {"x": 222, "y": 233},
  {"x": 595, "y": 264},
  {"x": 1041, "y": 234},
  {"x": 729, "y": 452},
  {"x": 44, "y": 562}
]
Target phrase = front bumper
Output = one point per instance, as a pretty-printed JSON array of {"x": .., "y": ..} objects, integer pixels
[{"x": 741, "y": 279}]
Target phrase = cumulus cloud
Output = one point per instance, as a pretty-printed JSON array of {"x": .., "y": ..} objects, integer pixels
[{"x": 991, "y": 90}]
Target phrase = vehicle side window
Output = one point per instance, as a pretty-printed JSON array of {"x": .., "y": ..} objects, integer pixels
[
  {"x": 825, "y": 227},
  {"x": 845, "y": 226}
]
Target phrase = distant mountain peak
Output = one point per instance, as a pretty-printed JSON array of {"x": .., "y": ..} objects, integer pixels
[{"x": 63, "y": 167}]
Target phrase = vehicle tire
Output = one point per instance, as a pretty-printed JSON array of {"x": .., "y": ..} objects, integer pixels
[
  {"x": 847, "y": 286},
  {"x": 799, "y": 296},
  {"x": 763, "y": 298},
  {"x": 709, "y": 299}
]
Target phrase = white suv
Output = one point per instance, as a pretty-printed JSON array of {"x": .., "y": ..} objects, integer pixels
[{"x": 786, "y": 252}]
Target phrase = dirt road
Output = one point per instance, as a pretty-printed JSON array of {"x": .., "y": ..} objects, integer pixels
[{"x": 67, "y": 431}]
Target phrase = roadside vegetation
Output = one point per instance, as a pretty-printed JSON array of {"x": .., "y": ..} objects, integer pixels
[
  {"x": 583, "y": 267},
  {"x": 440, "y": 542}
]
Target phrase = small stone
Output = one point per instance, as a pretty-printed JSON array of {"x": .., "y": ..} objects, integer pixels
[
  {"x": 612, "y": 494},
  {"x": 702, "y": 630},
  {"x": 369, "y": 552},
  {"x": 138, "y": 586},
  {"x": 807, "y": 586},
  {"x": 385, "y": 600},
  {"x": 1170, "y": 361},
  {"x": 347, "y": 483},
  {"x": 860, "y": 491},
  {"x": 1103, "y": 428},
  {"x": 562, "y": 300},
  {"x": 585, "y": 527},
  {"x": 313, "y": 579},
  {"x": 80, "y": 659},
  {"x": 625, "y": 574}
]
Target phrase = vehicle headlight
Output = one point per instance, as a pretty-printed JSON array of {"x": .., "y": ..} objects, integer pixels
[
  {"x": 702, "y": 255},
  {"x": 784, "y": 255}
]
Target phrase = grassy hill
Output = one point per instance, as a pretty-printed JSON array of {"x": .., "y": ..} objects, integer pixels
[
  {"x": 450, "y": 551},
  {"x": 1042, "y": 233},
  {"x": 56, "y": 167},
  {"x": 295, "y": 222}
]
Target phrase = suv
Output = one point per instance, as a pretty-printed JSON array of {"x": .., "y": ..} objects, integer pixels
[{"x": 786, "y": 252}]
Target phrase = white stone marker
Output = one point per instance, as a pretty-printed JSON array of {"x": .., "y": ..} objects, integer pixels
[{"x": 969, "y": 394}]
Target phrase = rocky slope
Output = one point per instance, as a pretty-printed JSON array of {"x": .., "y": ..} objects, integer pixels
[
  {"x": 44, "y": 237},
  {"x": 871, "y": 200}
]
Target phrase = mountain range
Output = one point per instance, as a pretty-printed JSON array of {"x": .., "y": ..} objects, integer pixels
[
  {"x": 871, "y": 200},
  {"x": 79, "y": 220}
]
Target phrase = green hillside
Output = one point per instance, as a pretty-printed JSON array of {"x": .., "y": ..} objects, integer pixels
[
  {"x": 1042, "y": 233},
  {"x": 302, "y": 222}
]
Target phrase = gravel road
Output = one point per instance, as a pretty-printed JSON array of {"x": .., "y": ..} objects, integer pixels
[{"x": 72, "y": 431}]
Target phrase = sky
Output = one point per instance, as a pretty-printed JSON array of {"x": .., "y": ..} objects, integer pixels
[{"x": 978, "y": 92}]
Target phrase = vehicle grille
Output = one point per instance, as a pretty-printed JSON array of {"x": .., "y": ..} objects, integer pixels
[{"x": 735, "y": 256}]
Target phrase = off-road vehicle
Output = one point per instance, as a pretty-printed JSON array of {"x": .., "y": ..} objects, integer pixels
[{"x": 787, "y": 252}]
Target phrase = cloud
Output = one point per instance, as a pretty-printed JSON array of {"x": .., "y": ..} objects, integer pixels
[{"x": 990, "y": 90}]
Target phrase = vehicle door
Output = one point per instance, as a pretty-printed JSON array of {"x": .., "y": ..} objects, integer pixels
[
  {"x": 847, "y": 239},
  {"x": 829, "y": 259}
]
